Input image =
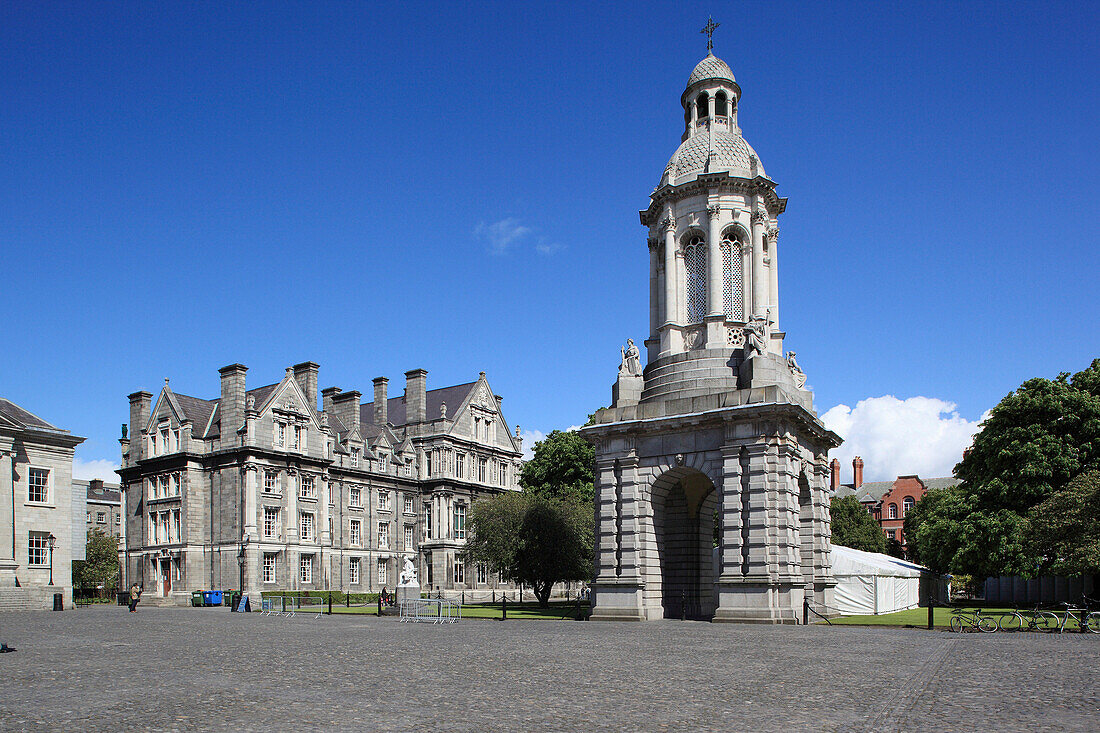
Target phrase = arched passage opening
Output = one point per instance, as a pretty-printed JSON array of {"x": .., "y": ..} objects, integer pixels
[{"x": 685, "y": 513}]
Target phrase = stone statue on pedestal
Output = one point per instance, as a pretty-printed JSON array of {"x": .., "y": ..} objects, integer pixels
[
  {"x": 796, "y": 371},
  {"x": 631, "y": 365},
  {"x": 407, "y": 587}
]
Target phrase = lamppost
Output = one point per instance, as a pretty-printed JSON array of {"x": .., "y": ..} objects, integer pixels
[
  {"x": 52, "y": 541},
  {"x": 240, "y": 563}
]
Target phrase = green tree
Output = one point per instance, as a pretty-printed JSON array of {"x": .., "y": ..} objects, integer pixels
[
  {"x": 533, "y": 539},
  {"x": 561, "y": 467},
  {"x": 854, "y": 527},
  {"x": 101, "y": 565},
  {"x": 1034, "y": 442},
  {"x": 1063, "y": 530}
]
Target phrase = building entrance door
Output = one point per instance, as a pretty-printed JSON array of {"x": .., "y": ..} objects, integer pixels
[{"x": 166, "y": 576}]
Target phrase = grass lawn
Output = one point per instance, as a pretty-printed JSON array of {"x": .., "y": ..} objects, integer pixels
[
  {"x": 556, "y": 611},
  {"x": 913, "y": 617}
]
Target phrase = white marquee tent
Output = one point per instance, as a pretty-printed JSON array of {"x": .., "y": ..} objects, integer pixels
[{"x": 873, "y": 583}]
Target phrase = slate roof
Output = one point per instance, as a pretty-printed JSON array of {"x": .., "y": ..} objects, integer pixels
[
  {"x": 16, "y": 416},
  {"x": 198, "y": 410},
  {"x": 396, "y": 415}
]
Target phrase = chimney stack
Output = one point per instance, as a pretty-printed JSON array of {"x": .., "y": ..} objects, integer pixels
[
  {"x": 346, "y": 407},
  {"x": 139, "y": 418},
  {"x": 231, "y": 405},
  {"x": 381, "y": 406},
  {"x": 834, "y": 475},
  {"x": 305, "y": 374},
  {"x": 857, "y": 472},
  {"x": 416, "y": 399},
  {"x": 328, "y": 395}
]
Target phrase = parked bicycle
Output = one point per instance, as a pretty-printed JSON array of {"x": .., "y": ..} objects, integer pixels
[
  {"x": 1035, "y": 619},
  {"x": 963, "y": 619},
  {"x": 1081, "y": 617}
]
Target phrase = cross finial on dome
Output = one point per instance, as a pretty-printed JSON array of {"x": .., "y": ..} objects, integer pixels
[{"x": 709, "y": 29}]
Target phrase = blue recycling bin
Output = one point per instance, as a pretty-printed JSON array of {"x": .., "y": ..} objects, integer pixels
[
  {"x": 215, "y": 598},
  {"x": 207, "y": 598}
]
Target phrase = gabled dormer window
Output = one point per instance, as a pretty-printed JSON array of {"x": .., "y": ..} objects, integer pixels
[{"x": 355, "y": 457}]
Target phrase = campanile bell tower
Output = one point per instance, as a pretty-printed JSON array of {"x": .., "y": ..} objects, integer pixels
[{"x": 717, "y": 434}]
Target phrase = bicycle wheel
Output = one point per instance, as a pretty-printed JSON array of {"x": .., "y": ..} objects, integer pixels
[
  {"x": 1047, "y": 621},
  {"x": 956, "y": 624},
  {"x": 1010, "y": 622},
  {"x": 1092, "y": 622},
  {"x": 988, "y": 624}
]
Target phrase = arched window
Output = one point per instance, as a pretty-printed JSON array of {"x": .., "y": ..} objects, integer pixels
[
  {"x": 695, "y": 262},
  {"x": 893, "y": 511},
  {"x": 701, "y": 109},
  {"x": 720, "y": 104},
  {"x": 732, "y": 285},
  {"x": 907, "y": 505}
]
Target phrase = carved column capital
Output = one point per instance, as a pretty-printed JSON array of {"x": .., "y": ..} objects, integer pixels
[
  {"x": 669, "y": 223},
  {"x": 714, "y": 211},
  {"x": 652, "y": 244},
  {"x": 759, "y": 216}
]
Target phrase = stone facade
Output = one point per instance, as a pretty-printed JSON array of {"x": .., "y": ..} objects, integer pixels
[
  {"x": 102, "y": 506},
  {"x": 711, "y": 466},
  {"x": 37, "y": 532},
  {"x": 261, "y": 490}
]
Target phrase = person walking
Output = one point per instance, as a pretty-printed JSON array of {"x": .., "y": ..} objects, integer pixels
[{"x": 135, "y": 595}]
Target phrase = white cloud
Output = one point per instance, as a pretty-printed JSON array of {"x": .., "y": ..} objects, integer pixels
[
  {"x": 530, "y": 437},
  {"x": 545, "y": 247},
  {"x": 919, "y": 435},
  {"x": 100, "y": 468},
  {"x": 501, "y": 234}
]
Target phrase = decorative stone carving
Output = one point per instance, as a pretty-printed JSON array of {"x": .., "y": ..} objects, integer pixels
[
  {"x": 443, "y": 410},
  {"x": 669, "y": 223},
  {"x": 517, "y": 430},
  {"x": 796, "y": 371},
  {"x": 735, "y": 337},
  {"x": 250, "y": 403},
  {"x": 408, "y": 572},
  {"x": 630, "y": 365},
  {"x": 125, "y": 430},
  {"x": 759, "y": 215},
  {"x": 757, "y": 333},
  {"x": 679, "y": 459},
  {"x": 714, "y": 211},
  {"x": 693, "y": 338}
]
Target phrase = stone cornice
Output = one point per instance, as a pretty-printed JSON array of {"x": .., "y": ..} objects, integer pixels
[{"x": 707, "y": 183}]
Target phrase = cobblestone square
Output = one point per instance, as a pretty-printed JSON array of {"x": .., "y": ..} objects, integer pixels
[{"x": 168, "y": 669}]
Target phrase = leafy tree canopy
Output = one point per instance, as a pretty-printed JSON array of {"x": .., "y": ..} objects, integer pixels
[
  {"x": 101, "y": 564},
  {"x": 1001, "y": 519},
  {"x": 854, "y": 527},
  {"x": 533, "y": 539},
  {"x": 1063, "y": 531},
  {"x": 561, "y": 467}
]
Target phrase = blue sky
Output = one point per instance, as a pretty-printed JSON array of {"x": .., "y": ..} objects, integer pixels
[{"x": 385, "y": 187}]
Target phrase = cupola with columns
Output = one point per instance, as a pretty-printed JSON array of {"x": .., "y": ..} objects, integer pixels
[{"x": 713, "y": 238}]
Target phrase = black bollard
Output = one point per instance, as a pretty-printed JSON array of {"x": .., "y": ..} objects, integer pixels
[
  {"x": 330, "y": 603},
  {"x": 379, "y": 604},
  {"x": 503, "y": 607},
  {"x": 805, "y": 611},
  {"x": 931, "y": 611}
]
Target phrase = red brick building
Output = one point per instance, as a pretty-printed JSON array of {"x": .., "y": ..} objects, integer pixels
[{"x": 887, "y": 501}]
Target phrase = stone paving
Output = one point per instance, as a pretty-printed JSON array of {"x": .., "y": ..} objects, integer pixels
[{"x": 199, "y": 669}]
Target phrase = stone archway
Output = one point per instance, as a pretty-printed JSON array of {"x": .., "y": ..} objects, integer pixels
[{"x": 684, "y": 504}]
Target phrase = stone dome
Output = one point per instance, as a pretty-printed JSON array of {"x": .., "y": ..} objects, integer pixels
[
  {"x": 711, "y": 67},
  {"x": 731, "y": 153}
]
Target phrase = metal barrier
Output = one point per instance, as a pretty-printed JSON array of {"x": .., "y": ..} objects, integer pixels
[
  {"x": 289, "y": 606},
  {"x": 430, "y": 610}
]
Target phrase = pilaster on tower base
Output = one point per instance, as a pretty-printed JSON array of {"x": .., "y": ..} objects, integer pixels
[
  {"x": 617, "y": 600},
  {"x": 751, "y": 600}
]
